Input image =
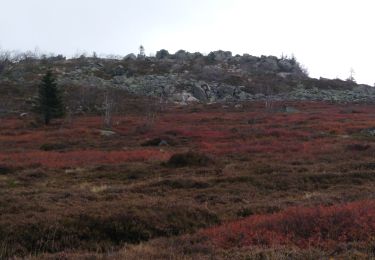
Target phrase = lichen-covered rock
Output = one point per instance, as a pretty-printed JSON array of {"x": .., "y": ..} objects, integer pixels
[{"x": 198, "y": 92}]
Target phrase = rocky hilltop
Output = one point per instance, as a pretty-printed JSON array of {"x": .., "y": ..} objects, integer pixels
[{"x": 182, "y": 77}]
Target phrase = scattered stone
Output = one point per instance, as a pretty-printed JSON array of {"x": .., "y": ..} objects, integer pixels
[
  {"x": 288, "y": 109},
  {"x": 368, "y": 131},
  {"x": 163, "y": 143},
  {"x": 107, "y": 133}
]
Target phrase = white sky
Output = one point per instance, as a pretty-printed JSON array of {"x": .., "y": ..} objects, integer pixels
[{"x": 329, "y": 37}]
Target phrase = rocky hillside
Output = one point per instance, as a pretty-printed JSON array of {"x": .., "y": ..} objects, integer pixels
[{"x": 181, "y": 77}]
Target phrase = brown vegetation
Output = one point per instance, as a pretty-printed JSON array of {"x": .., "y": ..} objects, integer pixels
[{"x": 68, "y": 191}]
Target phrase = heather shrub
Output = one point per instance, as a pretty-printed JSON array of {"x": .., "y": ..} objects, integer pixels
[
  {"x": 323, "y": 227},
  {"x": 53, "y": 146},
  {"x": 182, "y": 184},
  {"x": 103, "y": 232},
  {"x": 245, "y": 212},
  {"x": 5, "y": 169},
  {"x": 189, "y": 159},
  {"x": 358, "y": 147}
]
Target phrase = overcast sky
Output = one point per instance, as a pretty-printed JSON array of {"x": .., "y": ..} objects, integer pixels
[{"x": 329, "y": 37}]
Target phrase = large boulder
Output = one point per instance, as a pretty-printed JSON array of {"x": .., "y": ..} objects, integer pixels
[
  {"x": 243, "y": 96},
  {"x": 246, "y": 58},
  {"x": 184, "y": 98},
  {"x": 223, "y": 91},
  {"x": 162, "y": 54},
  {"x": 182, "y": 55},
  {"x": 199, "y": 92},
  {"x": 285, "y": 65},
  {"x": 119, "y": 71},
  {"x": 130, "y": 56},
  {"x": 268, "y": 64},
  {"x": 222, "y": 56}
]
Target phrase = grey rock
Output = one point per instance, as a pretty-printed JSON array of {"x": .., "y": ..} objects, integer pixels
[
  {"x": 288, "y": 109},
  {"x": 181, "y": 55},
  {"x": 284, "y": 75},
  {"x": 162, "y": 54},
  {"x": 199, "y": 92},
  {"x": 163, "y": 143},
  {"x": 223, "y": 90},
  {"x": 286, "y": 65},
  {"x": 368, "y": 131},
  {"x": 242, "y": 96},
  {"x": 106, "y": 133},
  {"x": 119, "y": 71},
  {"x": 222, "y": 55},
  {"x": 246, "y": 58},
  {"x": 120, "y": 80},
  {"x": 259, "y": 96},
  {"x": 268, "y": 64},
  {"x": 130, "y": 56}
]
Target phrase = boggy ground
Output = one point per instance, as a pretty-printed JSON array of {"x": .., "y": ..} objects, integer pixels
[{"x": 256, "y": 184}]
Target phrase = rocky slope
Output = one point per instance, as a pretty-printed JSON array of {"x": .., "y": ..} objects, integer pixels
[{"x": 182, "y": 77}]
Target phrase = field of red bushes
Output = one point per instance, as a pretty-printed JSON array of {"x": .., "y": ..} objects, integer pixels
[
  {"x": 319, "y": 226},
  {"x": 200, "y": 182}
]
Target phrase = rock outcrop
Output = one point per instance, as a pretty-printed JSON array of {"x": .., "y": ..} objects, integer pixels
[{"x": 186, "y": 77}]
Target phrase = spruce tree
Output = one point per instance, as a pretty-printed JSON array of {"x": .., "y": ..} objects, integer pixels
[{"x": 49, "y": 101}]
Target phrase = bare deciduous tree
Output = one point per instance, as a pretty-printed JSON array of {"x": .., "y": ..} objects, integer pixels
[
  {"x": 351, "y": 75},
  {"x": 108, "y": 106},
  {"x": 269, "y": 101}
]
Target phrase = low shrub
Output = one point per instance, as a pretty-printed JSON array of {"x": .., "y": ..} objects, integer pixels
[
  {"x": 245, "y": 212},
  {"x": 53, "y": 146},
  {"x": 323, "y": 227},
  {"x": 109, "y": 231},
  {"x": 189, "y": 159},
  {"x": 5, "y": 169},
  {"x": 183, "y": 184},
  {"x": 358, "y": 147}
]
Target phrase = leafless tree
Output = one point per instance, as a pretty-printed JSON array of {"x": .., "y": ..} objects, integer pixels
[
  {"x": 5, "y": 59},
  {"x": 351, "y": 75},
  {"x": 269, "y": 101},
  {"x": 163, "y": 99},
  {"x": 108, "y": 107},
  {"x": 141, "y": 51}
]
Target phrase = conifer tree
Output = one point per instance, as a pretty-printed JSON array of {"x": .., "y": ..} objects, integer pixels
[{"x": 49, "y": 100}]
